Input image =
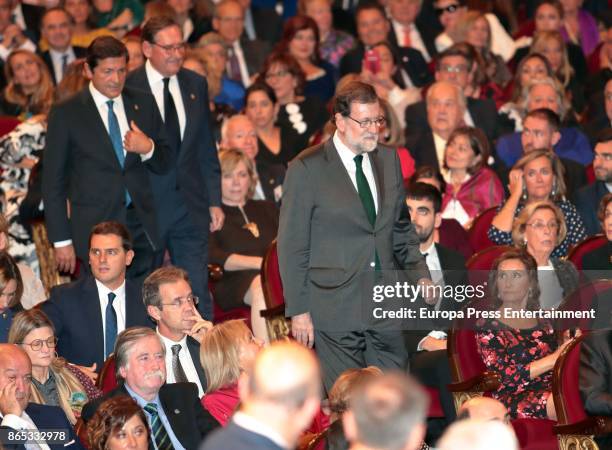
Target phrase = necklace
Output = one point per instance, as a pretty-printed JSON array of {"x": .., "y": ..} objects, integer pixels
[{"x": 251, "y": 226}]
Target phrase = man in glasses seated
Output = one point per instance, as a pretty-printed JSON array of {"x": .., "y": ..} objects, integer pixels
[
  {"x": 170, "y": 302},
  {"x": 89, "y": 313}
]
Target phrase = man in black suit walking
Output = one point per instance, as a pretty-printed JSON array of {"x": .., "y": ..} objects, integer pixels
[
  {"x": 56, "y": 27},
  {"x": 89, "y": 313},
  {"x": 188, "y": 196},
  {"x": 101, "y": 145},
  {"x": 176, "y": 417}
]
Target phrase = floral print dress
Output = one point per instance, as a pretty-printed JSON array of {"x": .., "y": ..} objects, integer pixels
[{"x": 509, "y": 352}]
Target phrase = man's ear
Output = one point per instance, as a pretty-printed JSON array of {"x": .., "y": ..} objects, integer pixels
[
  {"x": 147, "y": 49},
  {"x": 556, "y": 137},
  {"x": 349, "y": 426},
  {"x": 437, "y": 220},
  {"x": 129, "y": 256},
  {"x": 87, "y": 71},
  {"x": 340, "y": 124},
  {"x": 153, "y": 311}
]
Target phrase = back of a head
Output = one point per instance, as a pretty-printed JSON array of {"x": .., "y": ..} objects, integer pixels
[
  {"x": 478, "y": 435},
  {"x": 389, "y": 412}
]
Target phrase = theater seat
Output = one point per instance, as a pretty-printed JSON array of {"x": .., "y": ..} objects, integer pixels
[
  {"x": 8, "y": 124},
  {"x": 80, "y": 429},
  {"x": 215, "y": 273},
  {"x": 107, "y": 380},
  {"x": 478, "y": 231},
  {"x": 480, "y": 264},
  {"x": 277, "y": 325},
  {"x": 574, "y": 429},
  {"x": 585, "y": 246}
]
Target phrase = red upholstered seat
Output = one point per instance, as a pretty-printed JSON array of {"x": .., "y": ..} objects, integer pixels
[
  {"x": 583, "y": 299},
  {"x": 271, "y": 279},
  {"x": 215, "y": 273},
  {"x": 590, "y": 173},
  {"x": 535, "y": 434},
  {"x": 480, "y": 263},
  {"x": 107, "y": 380},
  {"x": 435, "y": 407},
  {"x": 8, "y": 124},
  {"x": 478, "y": 232},
  {"x": 585, "y": 246}
]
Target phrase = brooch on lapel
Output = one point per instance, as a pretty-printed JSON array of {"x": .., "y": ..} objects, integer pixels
[
  {"x": 404, "y": 58},
  {"x": 192, "y": 96},
  {"x": 176, "y": 411},
  {"x": 136, "y": 107}
]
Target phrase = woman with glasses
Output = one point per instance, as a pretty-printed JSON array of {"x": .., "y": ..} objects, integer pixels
[
  {"x": 11, "y": 290},
  {"x": 536, "y": 177},
  {"x": 538, "y": 229},
  {"x": 54, "y": 381},
  {"x": 239, "y": 247}
]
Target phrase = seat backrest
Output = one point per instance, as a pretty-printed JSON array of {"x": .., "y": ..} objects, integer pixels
[
  {"x": 107, "y": 380},
  {"x": 80, "y": 429},
  {"x": 566, "y": 394},
  {"x": 592, "y": 294},
  {"x": 8, "y": 124},
  {"x": 480, "y": 263},
  {"x": 589, "y": 244},
  {"x": 465, "y": 361},
  {"x": 271, "y": 279},
  {"x": 478, "y": 231}
]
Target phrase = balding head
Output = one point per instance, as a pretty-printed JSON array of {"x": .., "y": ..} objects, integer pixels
[
  {"x": 16, "y": 369},
  {"x": 239, "y": 132},
  {"x": 445, "y": 108},
  {"x": 484, "y": 408},
  {"x": 478, "y": 435}
]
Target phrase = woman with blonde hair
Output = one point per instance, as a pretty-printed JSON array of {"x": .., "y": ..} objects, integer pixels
[
  {"x": 226, "y": 350},
  {"x": 29, "y": 89},
  {"x": 538, "y": 229},
  {"x": 54, "y": 381}
]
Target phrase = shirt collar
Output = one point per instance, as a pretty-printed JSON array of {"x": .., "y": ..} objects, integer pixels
[
  {"x": 252, "y": 424},
  {"x": 431, "y": 250},
  {"x": 141, "y": 401},
  {"x": 101, "y": 99},
  {"x": 153, "y": 75},
  {"x": 103, "y": 290},
  {"x": 169, "y": 342},
  {"x": 346, "y": 154},
  {"x": 57, "y": 55}
]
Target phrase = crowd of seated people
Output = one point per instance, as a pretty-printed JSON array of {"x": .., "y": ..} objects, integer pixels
[{"x": 149, "y": 139}]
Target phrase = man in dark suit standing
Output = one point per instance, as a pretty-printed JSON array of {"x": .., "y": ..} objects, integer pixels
[
  {"x": 170, "y": 302},
  {"x": 344, "y": 222},
  {"x": 89, "y": 313},
  {"x": 176, "y": 417},
  {"x": 101, "y": 145},
  {"x": 57, "y": 27},
  {"x": 188, "y": 196},
  {"x": 427, "y": 348},
  {"x": 17, "y": 414},
  {"x": 279, "y": 397}
]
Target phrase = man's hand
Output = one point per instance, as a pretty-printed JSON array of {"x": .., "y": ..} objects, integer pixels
[
  {"x": 89, "y": 371},
  {"x": 216, "y": 218},
  {"x": 200, "y": 327},
  {"x": 432, "y": 344},
  {"x": 8, "y": 400},
  {"x": 136, "y": 141},
  {"x": 13, "y": 36},
  {"x": 302, "y": 329},
  {"x": 65, "y": 258},
  {"x": 428, "y": 291}
]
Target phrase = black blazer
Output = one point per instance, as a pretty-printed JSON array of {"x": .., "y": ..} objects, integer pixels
[
  {"x": 428, "y": 36},
  {"x": 194, "y": 176},
  {"x": 32, "y": 15},
  {"x": 81, "y": 166},
  {"x": 599, "y": 259},
  {"x": 74, "y": 309},
  {"x": 235, "y": 437},
  {"x": 47, "y": 417},
  {"x": 596, "y": 372},
  {"x": 423, "y": 149},
  {"x": 410, "y": 61},
  {"x": 194, "y": 352},
  {"x": 270, "y": 176},
  {"x": 587, "y": 203},
  {"x": 79, "y": 52},
  {"x": 483, "y": 112},
  {"x": 189, "y": 421},
  {"x": 268, "y": 24},
  {"x": 255, "y": 53}
]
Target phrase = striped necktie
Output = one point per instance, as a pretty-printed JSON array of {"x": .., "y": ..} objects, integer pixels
[{"x": 158, "y": 432}]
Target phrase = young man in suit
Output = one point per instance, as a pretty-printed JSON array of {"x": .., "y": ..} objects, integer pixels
[
  {"x": 344, "y": 227},
  {"x": 427, "y": 348},
  {"x": 171, "y": 303},
  {"x": 101, "y": 145},
  {"x": 89, "y": 313},
  {"x": 56, "y": 28},
  {"x": 188, "y": 197},
  {"x": 279, "y": 397},
  {"x": 176, "y": 417},
  {"x": 17, "y": 414}
]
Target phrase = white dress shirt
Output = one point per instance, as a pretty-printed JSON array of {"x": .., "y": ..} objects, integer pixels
[
  {"x": 186, "y": 362},
  {"x": 347, "y": 157},
  {"x": 25, "y": 45},
  {"x": 435, "y": 269},
  {"x": 23, "y": 422},
  {"x": 416, "y": 42},
  {"x": 58, "y": 63},
  {"x": 118, "y": 306},
  {"x": 156, "y": 81}
]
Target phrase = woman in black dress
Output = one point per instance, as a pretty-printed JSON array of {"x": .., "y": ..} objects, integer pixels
[{"x": 249, "y": 229}]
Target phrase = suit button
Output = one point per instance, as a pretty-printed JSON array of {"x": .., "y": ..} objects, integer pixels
[{"x": 372, "y": 264}]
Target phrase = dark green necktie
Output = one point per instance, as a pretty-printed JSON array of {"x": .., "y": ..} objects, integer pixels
[
  {"x": 365, "y": 194},
  {"x": 158, "y": 433}
]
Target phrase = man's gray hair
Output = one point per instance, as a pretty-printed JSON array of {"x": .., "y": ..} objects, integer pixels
[
  {"x": 458, "y": 92},
  {"x": 125, "y": 343},
  {"x": 473, "y": 434}
]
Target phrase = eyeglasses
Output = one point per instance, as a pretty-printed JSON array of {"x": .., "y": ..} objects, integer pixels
[
  {"x": 37, "y": 344},
  {"x": 539, "y": 226},
  {"x": 279, "y": 74},
  {"x": 178, "y": 302},
  {"x": 453, "y": 69},
  {"x": 449, "y": 9},
  {"x": 380, "y": 122},
  {"x": 171, "y": 48}
]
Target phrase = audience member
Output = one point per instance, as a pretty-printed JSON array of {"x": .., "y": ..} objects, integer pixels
[
  {"x": 387, "y": 413},
  {"x": 240, "y": 246},
  {"x": 471, "y": 186},
  {"x": 75, "y": 166},
  {"x": 188, "y": 195},
  {"x": 227, "y": 350},
  {"x": 84, "y": 30},
  {"x": 19, "y": 414},
  {"x": 537, "y": 176},
  {"x": 192, "y": 22},
  {"x": 87, "y": 314},
  {"x": 136, "y": 58},
  {"x": 118, "y": 424},
  {"x": 588, "y": 198},
  {"x": 140, "y": 366},
  {"x": 579, "y": 26},
  {"x": 54, "y": 381},
  {"x": 170, "y": 302},
  {"x": 119, "y": 16},
  {"x": 262, "y": 21},
  {"x": 238, "y": 132},
  {"x": 484, "y": 409},
  {"x": 56, "y": 28},
  {"x": 407, "y": 31},
  {"x": 538, "y": 229},
  {"x": 600, "y": 259},
  {"x": 13, "y": 34},
  {"x": 522, "y": 351},
  {"x": 279, "y": 397},
  {"x": 11, "y": 290},
  {"x": 478, "y": 435}
]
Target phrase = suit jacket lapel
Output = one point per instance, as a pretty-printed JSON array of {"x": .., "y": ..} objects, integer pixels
[
  {"x": 379, "y": 177},
  {"x": 194, "y": 350},
  {"x": 189, "y": 97},
  {"x": 91, "y": 299},
  {"x": 132, "y": 109},
  {"x": 91, "y": 117}
]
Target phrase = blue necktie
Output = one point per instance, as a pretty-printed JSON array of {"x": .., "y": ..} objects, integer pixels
[
  {"x": 115, "y": 136},
  {"x": 110, "y": 333},
  {"x": 159, "y": 433}
]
